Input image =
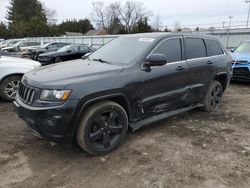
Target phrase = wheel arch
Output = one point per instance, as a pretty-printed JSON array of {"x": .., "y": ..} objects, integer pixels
[
  {"x": 223, "y": 79},
  {"x": 9, "y": 75},
  {"x": 119, "y": 98}
]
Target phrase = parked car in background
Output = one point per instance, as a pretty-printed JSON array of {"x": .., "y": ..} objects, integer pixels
[
  {"x": 28, "y": 51},
  {"x": 21, "y": 46},
  {"x": 66, "y": 53},
  {"x": 49, "y": 47},
  {"x": 241, "y": 62},
  {"x": 9, "y": 43},
  {"x": 2, "y": 53},
  {"x": 132, "y": 81},
  {"x": 11, "y": 71}
]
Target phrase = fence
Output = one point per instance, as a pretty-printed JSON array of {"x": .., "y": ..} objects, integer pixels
[
  {"x": 95, "y": 41},
  {"x": 230, "y": 38}
]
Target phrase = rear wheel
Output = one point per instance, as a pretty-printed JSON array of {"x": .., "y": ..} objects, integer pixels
[
  {"x": 213, "y": 97},
  {"x": 103, "y": 128},
  {"x": 9, "y": 87}
]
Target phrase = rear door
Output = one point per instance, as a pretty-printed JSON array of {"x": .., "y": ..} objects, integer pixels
[
  {"x": 199, "y": 67},
  {"x": 164, "y": 88}
]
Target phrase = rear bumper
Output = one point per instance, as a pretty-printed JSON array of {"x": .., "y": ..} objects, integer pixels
[{"x": 52, "y": 124}]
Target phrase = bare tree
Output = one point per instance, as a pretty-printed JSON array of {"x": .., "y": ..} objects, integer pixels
[
  {"x": 158, "y": 23},
  {"x": 112, "y": 12},
  {"x": 128, "y": 14},
  {"x": 51, "y": 16},
  {"x": 98, "y": 14},
  {"x": 177, "y": 26},
  {"x": 132, "y": 12}
]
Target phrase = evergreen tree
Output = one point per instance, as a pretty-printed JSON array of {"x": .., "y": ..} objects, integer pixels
[
  {"x": 142, "y": 26},
  {"x": 80, "y": 26},
  {"x": 3, "y": 31},
  {"x": 26, "y": 18}
]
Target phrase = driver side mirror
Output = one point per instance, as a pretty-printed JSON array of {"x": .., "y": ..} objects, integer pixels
[
  {"x": 156, "y": 60},
  {"x": 69, "y": 51}
]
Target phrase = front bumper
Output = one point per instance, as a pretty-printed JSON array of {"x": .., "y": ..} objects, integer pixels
[
  {"x": 241, "y": 73},
  {"x": 55, "y": 124}
]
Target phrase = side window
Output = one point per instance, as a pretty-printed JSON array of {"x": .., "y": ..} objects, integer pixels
[
  {"x": 74, "y": 49},
  {"x": 213, "y": 48},
  {"x": 53, "y": 45},
  {"x": 195, "y": 48},
  {"x": 171, "y": 49},
  {"x": 60, "y": 45},
  {"x": 84, "y": 49}
]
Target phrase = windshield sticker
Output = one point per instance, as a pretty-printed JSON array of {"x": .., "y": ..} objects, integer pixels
[{"x": 146, "y": 40}]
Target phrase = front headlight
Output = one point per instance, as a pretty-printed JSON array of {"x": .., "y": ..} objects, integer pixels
[{"x": 55, "y": 95}]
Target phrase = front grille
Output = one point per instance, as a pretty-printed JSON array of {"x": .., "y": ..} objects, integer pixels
[
  {"x": 241, "y": 72},
  {"x": 26, "y": 94}
]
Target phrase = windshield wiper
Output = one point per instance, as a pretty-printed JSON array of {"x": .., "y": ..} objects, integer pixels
[{"x": 102, "y": 61}]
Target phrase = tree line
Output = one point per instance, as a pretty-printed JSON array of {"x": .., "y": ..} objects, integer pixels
[{"x": 31, "y": 18}]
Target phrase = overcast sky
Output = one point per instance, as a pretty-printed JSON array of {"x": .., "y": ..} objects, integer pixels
[{"x": 186, "y": 12}]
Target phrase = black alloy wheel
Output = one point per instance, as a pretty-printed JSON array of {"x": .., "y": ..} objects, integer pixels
[
  {"x": 216, "y": 97},
  {"x": 213, "y": 97},
  {"x": 103, "y": 128}
]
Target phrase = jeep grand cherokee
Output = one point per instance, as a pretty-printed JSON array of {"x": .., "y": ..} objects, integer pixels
[{"x": 130, "y": 82}]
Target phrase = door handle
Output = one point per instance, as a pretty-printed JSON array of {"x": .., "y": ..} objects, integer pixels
[
  {"x": 180, "y": 68},
  {"x": 210, "y": 62}
]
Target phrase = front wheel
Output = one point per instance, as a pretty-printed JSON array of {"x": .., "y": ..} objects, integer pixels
[
  {"x": 9, "y": 87},
  {"x": 103, "y": 128},
  {"x": 58, "y": 59},
  {"x": 213, "y": 97}
]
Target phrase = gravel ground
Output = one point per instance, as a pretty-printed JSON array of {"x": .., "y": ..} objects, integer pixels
[{"x": 195, "y": 149}]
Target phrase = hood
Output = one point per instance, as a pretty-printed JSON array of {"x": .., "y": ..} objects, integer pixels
[
  {"x": 8, "y": 48},
  {"x": 19, "y": 61},
  {"x": 66, "y": 73},
  {"x": 241, "y": 56}
]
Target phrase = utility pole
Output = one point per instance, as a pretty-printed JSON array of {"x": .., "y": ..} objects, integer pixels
[
  {"x": 248, "y": 1},
  {"x": 228, "y": 31},
  {"x": 230, "y": 20},
  {"x": 223, "y": 24}
]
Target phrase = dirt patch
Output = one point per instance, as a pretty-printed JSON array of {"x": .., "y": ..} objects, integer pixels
[{"x": 194, "y": 149}]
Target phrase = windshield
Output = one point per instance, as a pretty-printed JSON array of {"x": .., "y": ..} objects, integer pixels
[
  {"x": 65, "y": 48},
  {"x": 122, "y": 50},
  {"x": 45, "y": 45},
  {"x": 243, "y": 48},
  {"x": 11, "y": 43}
]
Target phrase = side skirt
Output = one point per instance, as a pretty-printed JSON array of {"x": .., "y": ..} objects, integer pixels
[{"x": 137, "y": 125}]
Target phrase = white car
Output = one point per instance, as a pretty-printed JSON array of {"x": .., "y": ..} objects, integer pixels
[
  {"x": 21, "y": 46},
  {"x": 11, "y": 71}
]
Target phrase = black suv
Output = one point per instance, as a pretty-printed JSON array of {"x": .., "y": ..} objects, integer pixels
[{"x": 130, "y": 82}]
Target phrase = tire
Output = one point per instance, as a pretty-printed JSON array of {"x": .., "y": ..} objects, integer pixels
[
  {"x": 213, "y": 97},
  {"x": 58, "y": 59},
  {"x": 9, "y": 88},
  {"x": 103, "y": 128}
]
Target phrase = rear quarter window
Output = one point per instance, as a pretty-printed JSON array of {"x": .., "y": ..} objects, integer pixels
[
  {"x": 195, "y": 48},
  {"x": 213, "y": 47}
]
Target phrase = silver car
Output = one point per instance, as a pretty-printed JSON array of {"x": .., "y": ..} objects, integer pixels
[{"x": 11, "y": 71}]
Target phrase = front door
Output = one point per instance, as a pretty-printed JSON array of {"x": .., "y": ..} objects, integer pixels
[{"x": 164, "y": 88}]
